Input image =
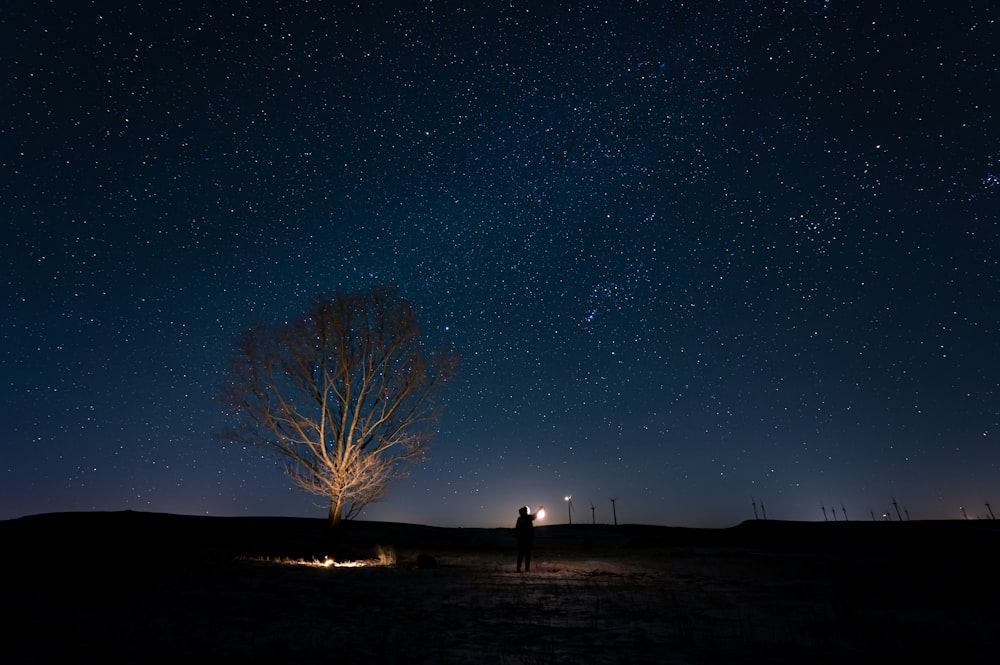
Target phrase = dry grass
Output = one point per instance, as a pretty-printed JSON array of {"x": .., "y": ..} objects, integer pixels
[
  {"x": 587, "y": 600},
  {"x": 384, "y": 556}
]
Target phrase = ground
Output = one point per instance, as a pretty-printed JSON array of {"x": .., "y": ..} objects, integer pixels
[{"x": 131, "y": 587}]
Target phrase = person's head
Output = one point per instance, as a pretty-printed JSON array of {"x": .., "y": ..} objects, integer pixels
[{"x": 523, "y": 510}]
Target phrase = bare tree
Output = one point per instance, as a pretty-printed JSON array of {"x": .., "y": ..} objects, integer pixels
[{"x": 345, "y": 395}]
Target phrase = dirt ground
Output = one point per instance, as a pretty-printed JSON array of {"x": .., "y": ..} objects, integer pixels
[{"x": 130, "y": 588}]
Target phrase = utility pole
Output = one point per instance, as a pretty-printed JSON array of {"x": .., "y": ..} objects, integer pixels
[
  {"x": 845, "y": 512},
  {"x": 823, "y": 508},
  {"x": 613, "y": 510},
  {"x": 593, "y": 514},
  {"x": 763, "y": 510},
  {"x": 964, "y": 514},
  {"x": 754, "y": 502},
  {"x": 896, "y": 506},
  {"x": 992, "y": 516}
]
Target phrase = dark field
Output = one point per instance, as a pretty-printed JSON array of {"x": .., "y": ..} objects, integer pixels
[{"x": 138, "y": 587}]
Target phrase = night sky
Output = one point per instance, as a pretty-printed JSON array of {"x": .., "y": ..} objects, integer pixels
[{"x": 695, "y": 256}]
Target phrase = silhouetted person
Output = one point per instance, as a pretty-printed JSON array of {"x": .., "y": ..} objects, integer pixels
[{"x": 524, "y": 531}]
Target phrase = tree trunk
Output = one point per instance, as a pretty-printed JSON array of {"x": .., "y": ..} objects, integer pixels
[{"x": 336, "y": 514}]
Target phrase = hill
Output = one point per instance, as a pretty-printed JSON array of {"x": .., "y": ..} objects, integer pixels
[{"x": 129, "y": 533}]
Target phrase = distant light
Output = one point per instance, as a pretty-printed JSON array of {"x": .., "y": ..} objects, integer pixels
[
  {"x": 541, "y": 513},
  {"x": 568, "y": 498}
]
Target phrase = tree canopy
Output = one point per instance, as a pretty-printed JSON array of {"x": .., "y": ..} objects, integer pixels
[{"x": 345, "y": 395}]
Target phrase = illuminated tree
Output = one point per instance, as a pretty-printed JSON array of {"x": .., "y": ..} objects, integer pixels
[{"x": 345, "y": 395}]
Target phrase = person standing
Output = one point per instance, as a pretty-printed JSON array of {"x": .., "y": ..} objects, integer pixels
[{"x": 524, "y": 532}]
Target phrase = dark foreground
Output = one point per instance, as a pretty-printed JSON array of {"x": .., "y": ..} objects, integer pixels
[{"x": 138, "y": 587}]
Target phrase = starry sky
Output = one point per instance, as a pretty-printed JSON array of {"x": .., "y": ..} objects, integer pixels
[{"x": 701, "y": 258}]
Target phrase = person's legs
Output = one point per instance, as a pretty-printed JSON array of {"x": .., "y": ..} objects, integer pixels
[
  {"x": 527, "y": 560},
  {"x": 520, "y": 559}
]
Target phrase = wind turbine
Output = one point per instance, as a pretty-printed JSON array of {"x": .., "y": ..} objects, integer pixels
[{"x": 569, "y": 507}]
